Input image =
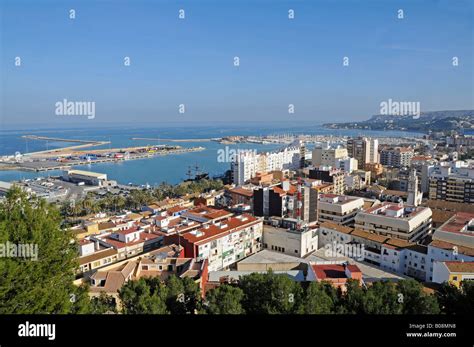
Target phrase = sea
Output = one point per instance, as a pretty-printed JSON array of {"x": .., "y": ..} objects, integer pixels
[{"x": 170, "y": 168}]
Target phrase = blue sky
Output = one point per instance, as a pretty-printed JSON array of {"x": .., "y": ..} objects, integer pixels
[{"x": 190, "y": 61}]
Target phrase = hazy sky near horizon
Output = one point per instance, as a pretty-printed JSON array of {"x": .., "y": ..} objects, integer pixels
[{"x": 191, "y": 61}]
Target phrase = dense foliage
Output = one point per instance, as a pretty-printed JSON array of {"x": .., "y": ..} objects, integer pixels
[
  {"x": 136, "y": 198},
  {"x": 152, "y": 296},
  {"x": 270, "y": 293},
  {"x": 42, "y": 283}
]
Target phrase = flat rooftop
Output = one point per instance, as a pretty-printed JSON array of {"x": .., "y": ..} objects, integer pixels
[
  {"x": 86, "y": 173},
  {"x": 461, "y": 222},
  {"x": 338, "y": 199},
  {"x": 217, "y": 276},
  {"x": 370, "y": 272},
  {"x": 394, "y": 210},
  {"x": 269, "y": 257}
]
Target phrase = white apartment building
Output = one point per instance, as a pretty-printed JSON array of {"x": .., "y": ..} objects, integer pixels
[
  {"x": 450, "y": 181},
  {"x": 340, "y": 209},
  {"x": 246, "y": 164},
  {"x": 327, "y": 156},
  {"x": 396, "y": 157},
  {"x": 452, "y": 241},
  {"x": 390, "y": 254},
  {"x": 408, "y": 223},
  {"x": 364, "y": 149},
  {"x": 347, "y": 164},
  {"x": 297, "y": 243},
  {"x": 225, "y": 242}
]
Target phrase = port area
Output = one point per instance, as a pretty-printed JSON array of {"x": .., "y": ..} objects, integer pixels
[{"x": 62, "y": 158}]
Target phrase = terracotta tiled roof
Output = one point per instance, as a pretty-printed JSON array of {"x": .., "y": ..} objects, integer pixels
[
  {"x": 451, "y": 246},
  {"x": 242, "y": 191},
  {"x": 215, "y": 231},
  {"x": 459, "y": 266},
  {"x": 337, "y": 227},
  {"x": 97, "y": 255}
]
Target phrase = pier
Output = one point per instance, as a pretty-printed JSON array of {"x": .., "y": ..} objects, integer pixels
[
  {"x": 51, "y": 164},
  {"x": 60, "y": 151},
  {"x": 172, "y": 140}
]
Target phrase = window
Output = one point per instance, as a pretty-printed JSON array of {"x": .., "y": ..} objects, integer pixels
[
  {"x": 455, "y": 278},
  {"x": 296, "y": 251}
]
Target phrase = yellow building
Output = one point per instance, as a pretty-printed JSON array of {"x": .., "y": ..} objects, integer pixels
[{"x": 453, "y": 272}]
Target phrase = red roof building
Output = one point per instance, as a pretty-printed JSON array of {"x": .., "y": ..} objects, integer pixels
[{"x": 337, "y": 274}]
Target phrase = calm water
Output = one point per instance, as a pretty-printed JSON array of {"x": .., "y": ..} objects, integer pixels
[{"x": 172, "y": 168}]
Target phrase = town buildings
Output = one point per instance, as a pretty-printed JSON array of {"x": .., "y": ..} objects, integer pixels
[
  {"x": 282, "y": 200},
  {"x": 329, "y": 175},
  {"x": 396, "y": 157},
  {"x": 222, "y": 243},
  {"x": 388, "y": 253},
  {"x": 364, "y": 150},
  {"x": 286, "y": 237},
  {"x": 453, "y": 272},
  {"x": 340, "y": 209},
  {"x": 396, "y": 220},
  {"x": 452, "y": 182},
  {"x": 85, "y": 177},
  {"x": 452, "y": 241},
  {"x": 161, "y": 263},
  {"x": 328, "y": 156},
  {"x": 337, "y": 274},
  {"x": 246, "y": 164}
]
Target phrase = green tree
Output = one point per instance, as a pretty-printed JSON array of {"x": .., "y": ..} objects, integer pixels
[
  {"x": 269, "y": 293},
  {"x": 103, "y": 304},
  {"x": 352, "y": 300},
  {"x": 224, "y": 299},
  {"x": 45, "y": 284},
  {"x": 415, "y": 300},
  {"x": 183, "y": 295},
  {"x": 454, "y": 300},
  {"x": 382, "y": 298},
  {"x": 81, "y": 303},
  {"x": 318, "y": 299},
  {"x": 138, "y": 297}
]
